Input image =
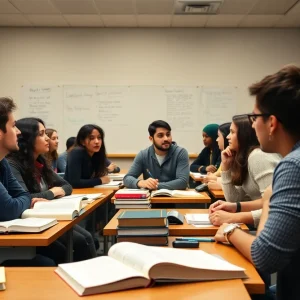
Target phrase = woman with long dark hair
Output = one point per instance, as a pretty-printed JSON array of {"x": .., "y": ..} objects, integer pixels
[
  {"x": 247, "y": 171},
  {"x": 86, "y": 164},
  {"x": 30, "y": 168},
  {"x": 213, "y": 180}
]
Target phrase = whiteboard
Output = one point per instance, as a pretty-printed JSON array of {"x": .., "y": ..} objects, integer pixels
[{"x": 125, "y": 112}]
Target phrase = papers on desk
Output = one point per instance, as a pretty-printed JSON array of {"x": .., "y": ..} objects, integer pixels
[
  {"x": 198, "y": 175},
  {"x": 197, "y": 219},
  {"x": 113, "y": 183},
  {"x": 116, "y": 177}
]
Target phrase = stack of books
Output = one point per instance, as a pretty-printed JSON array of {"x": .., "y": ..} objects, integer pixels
[
  {"x": 148, "y": 227},
  {"x": 132, "y": 198}
]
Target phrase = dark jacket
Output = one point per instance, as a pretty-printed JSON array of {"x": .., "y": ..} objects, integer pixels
[
  {"x": 204, "y": 160},
  {"x": 80, "y": 169},
  {"x": 13, "y": 199},
  {"x": 18, "y": 170}
]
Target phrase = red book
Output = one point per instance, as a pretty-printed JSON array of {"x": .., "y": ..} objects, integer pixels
[{"x": 131, "y": 196}]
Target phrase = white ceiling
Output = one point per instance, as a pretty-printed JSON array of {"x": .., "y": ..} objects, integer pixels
[{"x": 146, "y": 13}]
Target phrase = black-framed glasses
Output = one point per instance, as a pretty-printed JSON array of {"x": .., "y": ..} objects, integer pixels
[{"x": 252, "y": 117}]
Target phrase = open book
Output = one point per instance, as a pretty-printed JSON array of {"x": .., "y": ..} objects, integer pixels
[
  {"x": 130, "y": 265},
  {"x": 175, "y": 193},
  {"x": 60, "y": 209},
  {"x": 27, "y": 225},
  {"x": 2, "y": 279},
  {"x": 111, "y": 184}
]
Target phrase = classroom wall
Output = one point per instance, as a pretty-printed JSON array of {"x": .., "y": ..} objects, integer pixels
[{"x": 219, "y": 57}]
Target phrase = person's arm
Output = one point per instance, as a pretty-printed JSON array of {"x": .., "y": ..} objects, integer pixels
[
  {"x": 13, "y": 200},
  {"x": 265, "y": 210},
  {"x": 232, "y": 193},
  {"x": 73, "y": 171},
  {"x": 131, "y": 178},
  {"x": 182, "y": 174},
  {"x": 200, "y": 163}
]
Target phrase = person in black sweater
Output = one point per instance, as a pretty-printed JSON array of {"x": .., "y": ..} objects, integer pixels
[
  {"x": 86, "y": 165},
  {"x": 33, "y": 173},
  {"x": 210, "y": 157}
]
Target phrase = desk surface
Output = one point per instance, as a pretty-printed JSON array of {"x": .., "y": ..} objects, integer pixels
[
  {"x": 48, "y": 236},
  {"x": 254, "y": 284},
  {"x": 174, "y": 230},
  {"x": 218, "y": 194},
  {"x": 204, "y": 199},
  {"x": 44, "y": 284}
]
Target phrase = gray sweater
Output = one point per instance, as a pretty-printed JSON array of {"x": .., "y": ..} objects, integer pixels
[
  {"x": 172, "y": 174},
  {"x": 261, "y": 166}
]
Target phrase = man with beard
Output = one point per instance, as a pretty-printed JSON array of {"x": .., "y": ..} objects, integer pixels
[{"x": 164, "y": 165}]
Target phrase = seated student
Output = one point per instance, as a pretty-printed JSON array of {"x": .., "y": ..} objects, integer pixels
[
  {"x": 246, "y": 172},
  {"x": 34, "y": 175},
  {"x": 62, "y": 158},
  {"x": 213, "y": 180},
  {"x": 86, "y": 166},
  {"x": 13, "y": 199},
  {"x": 209, "y": 159},
  {"x": 52, "y": 155},
  {"x": 275, "y": 119},
  {"x": 164, "y": 165}
]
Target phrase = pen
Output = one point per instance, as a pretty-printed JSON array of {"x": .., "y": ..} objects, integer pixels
[
  {"x": 149, "y": 173},
  {"x": 194, "y": 239}
]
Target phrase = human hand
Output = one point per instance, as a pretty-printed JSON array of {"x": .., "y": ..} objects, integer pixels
[
  {"x": 214, "y": 185},
  {"x": 211, "y": 169},
  {"x": 219, "y": 237},
  {"x": 150, "y": 183},
  {"x": 223, "y": 205},
  {"x": 220, "y": 217},
  {"x": 111, "y": 167},
  {"x": 105, "y": 179},
  {"x": 35, "y": 200},
  {"x": 58, "y": 192},
  {"x": 227, "y": 156}
]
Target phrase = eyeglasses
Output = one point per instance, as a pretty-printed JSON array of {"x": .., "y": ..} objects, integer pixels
[{"x": 252, "y": 117}]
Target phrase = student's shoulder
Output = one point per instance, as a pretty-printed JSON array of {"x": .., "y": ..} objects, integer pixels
[
  {"x": 78, "y": 151},
  {"x": 257, "y": 156}
]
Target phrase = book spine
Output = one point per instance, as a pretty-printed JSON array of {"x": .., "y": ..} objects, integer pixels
[{"x": 130, "y": 196}]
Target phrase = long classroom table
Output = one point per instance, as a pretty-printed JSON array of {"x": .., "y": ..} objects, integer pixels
[
  {"x": 48, "y": 236},
  {"x": 44, "y": 284}
]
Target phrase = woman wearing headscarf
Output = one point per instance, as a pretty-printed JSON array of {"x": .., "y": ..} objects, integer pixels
[{"x": 210, "y": 157}]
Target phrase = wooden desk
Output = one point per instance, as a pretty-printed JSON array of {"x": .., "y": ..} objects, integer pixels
[
  {"x": 44, "y": 284},
  {"x": 217, "y": 194},
  {"x": 174, "y": 230},
  {"x": 48, "y": 236},
  {"x": 254, "y": 284},
  {"x": 205, "y": 199}
]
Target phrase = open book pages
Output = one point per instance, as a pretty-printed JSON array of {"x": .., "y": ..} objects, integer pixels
[
  {"x": 112, "y": 183},
  {"x": 66, "y": 209},
  {"x": 27, "y": 225},
  {"x": 176, "y": 193},
  {"x": 2, "y": 279},
  {"x": 197, "y": 219},
  {"x": 131, "y": 265},
  {"x": 198, "y": 175}
]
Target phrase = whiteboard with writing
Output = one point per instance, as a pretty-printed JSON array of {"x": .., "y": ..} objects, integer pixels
[{"x": 125, "y": 112}]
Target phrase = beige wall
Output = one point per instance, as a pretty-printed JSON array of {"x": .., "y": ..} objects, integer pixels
[{"x": 144, "y": 57}]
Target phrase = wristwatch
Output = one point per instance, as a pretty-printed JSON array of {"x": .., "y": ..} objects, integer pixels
[{"x": 229, "y": 229}]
